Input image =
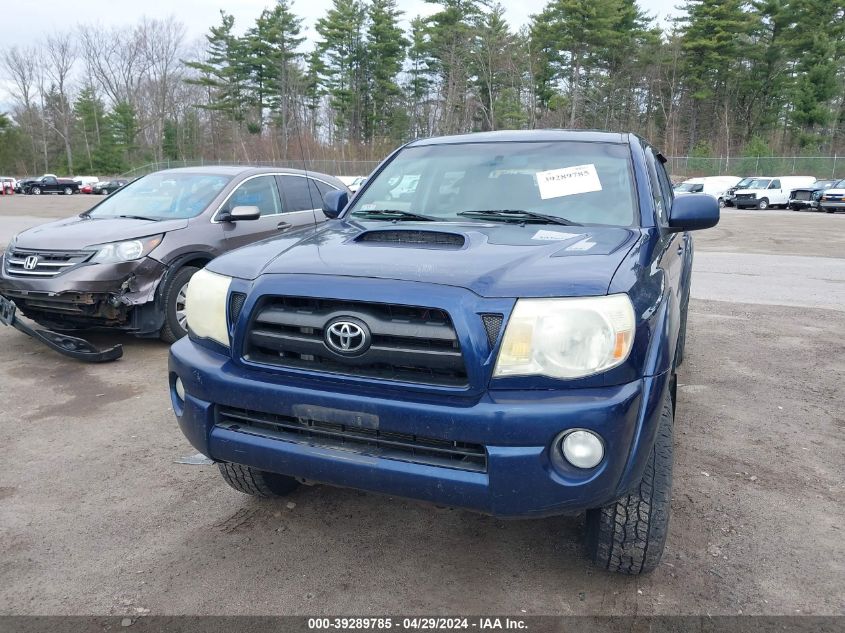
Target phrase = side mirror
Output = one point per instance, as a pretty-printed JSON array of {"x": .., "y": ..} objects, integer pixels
[
  {"x": 241, "y": 213},
  {"x": 692, "y": 212},
  {"x": 334, "y": 202}
]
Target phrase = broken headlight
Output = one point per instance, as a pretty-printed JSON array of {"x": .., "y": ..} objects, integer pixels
[{"x": 127, "y": 251}]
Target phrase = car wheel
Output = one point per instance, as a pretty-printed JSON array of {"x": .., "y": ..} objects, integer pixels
[
  {"x": 628, "y": 536},
  {"x": 174, "y": 294},
  {"x": 828, "y": 210},
  {"x": 35, "y": 191},
  {"x": 763, "y": 204},
  {"x": 68, "y": 191},
  {"x": 258, "y": 483},
  {"x": 721, "y": 203}
]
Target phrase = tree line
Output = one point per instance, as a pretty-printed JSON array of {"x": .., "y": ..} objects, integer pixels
[{"x": 725, "y": 78}]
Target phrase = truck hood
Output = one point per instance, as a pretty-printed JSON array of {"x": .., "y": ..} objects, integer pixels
[
  {"x": 80, "y": 232},
  {"x": 834, "y": 192},
  {"x": 492, "y": 260}
]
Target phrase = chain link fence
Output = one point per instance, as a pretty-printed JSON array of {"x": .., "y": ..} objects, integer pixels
[
  {"x": 331, "y": 167},
  {"x": 821, "y": 167},
  {"x": 679, "y": 166}
]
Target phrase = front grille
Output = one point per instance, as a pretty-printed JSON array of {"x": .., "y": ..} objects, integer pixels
[
  {"x": 372, "y": 442},
  {"x": 236, "y": 304},
  {"x": 408, "y": 343},
  {"x": 746, "y": 196},
  {"x": 803, "y": 195},
  {"x": 30, "y": 263}
]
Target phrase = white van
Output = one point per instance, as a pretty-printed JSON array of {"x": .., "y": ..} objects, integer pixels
[
  {"x": 770, "y": 191},
  {"x": 716, "y": 186}
]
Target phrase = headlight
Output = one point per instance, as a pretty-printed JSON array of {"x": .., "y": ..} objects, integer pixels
[
  {"x": 566, "y": 338},
  {"x": 205, "y": 307},
  {"x": 130, "y": 250}
]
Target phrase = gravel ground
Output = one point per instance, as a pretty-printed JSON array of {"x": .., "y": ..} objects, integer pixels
[{"x": 96, "y": 516}]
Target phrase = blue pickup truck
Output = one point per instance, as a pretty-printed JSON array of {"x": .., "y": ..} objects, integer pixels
[{"x": 493, "y": 322}]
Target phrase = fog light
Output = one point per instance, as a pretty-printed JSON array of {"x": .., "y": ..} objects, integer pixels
[
  {"x": 582, "y": 449},
  {"x": 180, "y": 389}
]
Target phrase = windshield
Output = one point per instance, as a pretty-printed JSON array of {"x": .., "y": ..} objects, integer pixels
[
  {"x": 163, "y": 196},
  {"x": 586, "y": 183},
  {"x": 758, "y": 183},
  {"x": 690, "y": 187},
  {"x": 742, "y": 184}
]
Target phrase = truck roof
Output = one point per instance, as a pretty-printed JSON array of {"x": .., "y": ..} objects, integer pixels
[{"x": 595, "y": 136}]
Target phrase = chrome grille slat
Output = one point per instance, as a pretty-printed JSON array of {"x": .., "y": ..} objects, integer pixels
[{"x": 48, "y": 263}]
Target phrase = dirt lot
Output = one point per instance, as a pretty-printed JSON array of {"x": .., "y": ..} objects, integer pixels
[{"x": 96, "y": 516}]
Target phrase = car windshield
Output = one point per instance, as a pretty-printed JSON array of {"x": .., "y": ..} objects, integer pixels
[
  {"x": 758, "y": 183},
  {"x": 582, "y": 182},
  {"x": 163, "y": 196},
  {"x": 838, "y": 185},
  {"x": 690, "y": 187},
  {"x": 742, "y": 184}
]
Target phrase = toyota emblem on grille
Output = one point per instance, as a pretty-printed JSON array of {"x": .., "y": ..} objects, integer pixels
[
  {"x": 347, "y": 337},
  {"x": 30, "y": 262}
]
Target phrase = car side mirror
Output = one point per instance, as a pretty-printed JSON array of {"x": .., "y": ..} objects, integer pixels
[
  {"x": 334, "y": 202},
  {"x": 237, "y": 214},
  {"x": 693, "y": 212}
]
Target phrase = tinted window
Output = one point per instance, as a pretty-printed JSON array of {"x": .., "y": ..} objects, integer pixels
[
  {"x": 297, "y": 195},
  {"x": 324, "y": 188},
  {"x": 258, "y": 192},
  {"x": 775, "y": 184}
]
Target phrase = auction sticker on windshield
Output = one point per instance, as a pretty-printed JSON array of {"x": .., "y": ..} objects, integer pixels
[{"x": 568, "y": 181}]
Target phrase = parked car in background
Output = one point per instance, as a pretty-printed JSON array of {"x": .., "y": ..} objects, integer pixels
[
  {"x": 86, "y": 180},
  {"x": 86, "y": 188},
  {"x": 507, "y": 345},
  {"x": 833, "y": 199},
  {"x": 715, "y": 186},
  {"x": 8, "y": 184},
  {"x": 353, "y": 183},
  {"x": 109, "y": 186},
  {"x": 767, "y": 191},
  {"x": 50, "y": 184},
  {"x": 126, "y": 262},
  {"x": 808, "y": 197},
  {"x": 727, "y": 199}
]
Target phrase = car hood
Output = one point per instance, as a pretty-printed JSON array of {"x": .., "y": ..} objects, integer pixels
[
  {"x": 81, "y": 231},
  {"x": 835, "y": 192},
  {"x": 492, "y": 260}
]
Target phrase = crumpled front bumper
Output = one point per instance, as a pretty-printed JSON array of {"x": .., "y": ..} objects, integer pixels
[
  {"x": 87, "y": 295},
  {"x": 518, "y": 429}
]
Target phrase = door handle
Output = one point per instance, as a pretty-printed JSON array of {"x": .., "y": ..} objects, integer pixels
[{"x": 283, "y": 226}]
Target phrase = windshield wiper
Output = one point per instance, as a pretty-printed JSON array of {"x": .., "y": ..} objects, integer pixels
[
  {"x": 517, "y": 215},
  {"x": 393, "y": 214},
  {"x": 136, "y": 217}
]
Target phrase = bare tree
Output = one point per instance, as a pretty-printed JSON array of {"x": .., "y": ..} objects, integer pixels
[
  {"x": 20, "y": 65},
  {"x": 61, "y": 56}
]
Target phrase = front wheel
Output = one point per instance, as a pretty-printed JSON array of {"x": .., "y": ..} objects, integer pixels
[
  {"x": 763, "y": 204},
  {"x": 258, "y": 483},
  {"x": 628, "y": 536},
  {"x": 35, "y": 191},
  {"x": 175, "y": 294}
]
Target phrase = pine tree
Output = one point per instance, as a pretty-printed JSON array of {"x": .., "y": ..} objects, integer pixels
[{"x": 385, "y": 52}]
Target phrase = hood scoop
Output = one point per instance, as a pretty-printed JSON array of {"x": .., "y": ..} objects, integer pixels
[{"x": 440, "y": 240}]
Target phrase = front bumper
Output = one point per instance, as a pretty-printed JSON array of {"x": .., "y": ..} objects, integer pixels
[
  {"x": 522, "y": 477},
  {"x": 87, "y": 295},
  {"x": 802, "y": 204},
  {"x": 832, "y": 204}
]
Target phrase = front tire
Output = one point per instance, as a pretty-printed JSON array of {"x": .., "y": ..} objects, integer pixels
[
  {"x": 763, "y": 204},
  {"x": 258, "y": 483},
  {"x": 35, "y": 191},
  {"x": 628, "y": 536},
  {"x": 174, "y": 295}
]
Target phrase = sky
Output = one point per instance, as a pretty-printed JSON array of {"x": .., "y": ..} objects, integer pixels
[{"x": 32, "y": 21}]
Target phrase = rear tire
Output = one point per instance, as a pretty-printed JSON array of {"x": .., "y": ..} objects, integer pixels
[
  {"x": 68, "y": 191},
  {"x": 175, "y": 326},
  {"x": 628, "y": 536},
  {"x": 258, "y": 483}
]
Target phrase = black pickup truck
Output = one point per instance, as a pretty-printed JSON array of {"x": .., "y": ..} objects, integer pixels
[{"x": 51, "y": 184}]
